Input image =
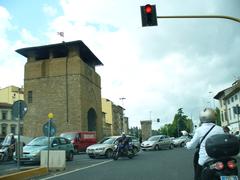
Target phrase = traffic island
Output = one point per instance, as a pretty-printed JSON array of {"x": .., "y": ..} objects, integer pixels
[{"x": 25, "y": 174}]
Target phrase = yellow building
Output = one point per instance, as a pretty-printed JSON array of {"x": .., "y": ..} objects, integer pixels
[
  {"x": 113, "y": 121},
  {"x": 11, "y": 94}
]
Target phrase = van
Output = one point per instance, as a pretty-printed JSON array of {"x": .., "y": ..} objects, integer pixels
[{"x": 80, "y": 139}]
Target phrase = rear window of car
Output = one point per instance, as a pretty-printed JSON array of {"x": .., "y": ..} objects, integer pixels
[{"x": 88, "y": 136}]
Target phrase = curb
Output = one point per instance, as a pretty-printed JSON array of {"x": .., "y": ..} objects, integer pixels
[{"x": 25, "y": 174}]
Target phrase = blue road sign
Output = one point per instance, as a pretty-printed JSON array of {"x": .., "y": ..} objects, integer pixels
[
  {"x": 19, "y": 109},
  {"x": 52, "y": 131}
]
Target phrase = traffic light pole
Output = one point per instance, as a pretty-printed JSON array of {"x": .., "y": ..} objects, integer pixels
[{"x": 203, "y": 16}]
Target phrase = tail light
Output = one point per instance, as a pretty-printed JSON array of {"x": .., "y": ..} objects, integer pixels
[
  {"x": 231, "y": 164},
  {"x": 218, "y": 166}
]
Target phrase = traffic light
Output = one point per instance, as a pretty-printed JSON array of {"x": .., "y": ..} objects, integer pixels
[
  {"x": 149, "y": 15},
  {"x": 158, "y": 120}
]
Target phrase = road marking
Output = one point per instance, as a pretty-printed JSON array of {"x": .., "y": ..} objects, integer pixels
[{"x": 69, "y": 172}]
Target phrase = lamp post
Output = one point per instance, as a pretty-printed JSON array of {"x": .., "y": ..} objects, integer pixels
[{"x": 121, "y": 124}]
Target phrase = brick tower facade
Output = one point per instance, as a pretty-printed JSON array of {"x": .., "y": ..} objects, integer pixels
[{"x": 61, "y": 78}]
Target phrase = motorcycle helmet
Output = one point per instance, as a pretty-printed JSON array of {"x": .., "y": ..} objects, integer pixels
[{"x": 208, "y": 115}]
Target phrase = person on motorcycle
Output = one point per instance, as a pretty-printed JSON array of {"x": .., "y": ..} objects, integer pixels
[
  {"x": 207, "y": 119},
  {"x": 124, "y": 141}
]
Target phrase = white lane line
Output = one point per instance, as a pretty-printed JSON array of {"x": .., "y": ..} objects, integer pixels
[{"x": 69, "y": 172}]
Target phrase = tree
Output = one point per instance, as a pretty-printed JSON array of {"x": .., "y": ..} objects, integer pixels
[
  {"x": 181, "y": 122},
  {"x": 218, "y": 120}
]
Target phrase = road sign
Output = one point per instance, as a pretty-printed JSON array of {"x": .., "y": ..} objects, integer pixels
[
  {"x": 53, "y": 128},
  {"x": 19, "y": 109}
]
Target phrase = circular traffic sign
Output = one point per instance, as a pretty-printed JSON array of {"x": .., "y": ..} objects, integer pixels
[
  {"x": 19, "y": 109},
  {"x": 52, "y": 130}
]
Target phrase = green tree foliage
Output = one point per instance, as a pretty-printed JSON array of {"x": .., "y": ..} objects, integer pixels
[
  {"x": 218, "y": 120},
  {"x": 180, "y": 122}
]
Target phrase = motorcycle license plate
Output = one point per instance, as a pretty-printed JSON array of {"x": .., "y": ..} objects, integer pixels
[{"x": 228, "y": 178}]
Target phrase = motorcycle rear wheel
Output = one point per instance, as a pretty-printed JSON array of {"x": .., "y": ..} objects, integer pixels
[{"x": 115, "y": 155}]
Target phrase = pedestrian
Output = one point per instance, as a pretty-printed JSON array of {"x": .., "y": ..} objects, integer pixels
[
  {"x": 140, "y": 139},
  {"x": 207, "y": 129}
]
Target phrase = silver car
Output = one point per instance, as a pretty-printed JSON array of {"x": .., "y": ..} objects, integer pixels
[
  {"x": 181, "y": 141},
  {"x": 157, "y": 142},
  {"x": 105, "y": 147}
]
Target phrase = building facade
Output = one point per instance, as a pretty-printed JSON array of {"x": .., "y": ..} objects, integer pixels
[
  {"x": 114, "y": 121},
  {"x": 7, "y": 123},
  {"x": 11, "y": 94},
  {"x": 61, "y": 78},
  {"x": 228, "y": 99}
]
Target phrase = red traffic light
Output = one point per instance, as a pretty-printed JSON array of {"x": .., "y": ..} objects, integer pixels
[{"x": 148, "y": 9}]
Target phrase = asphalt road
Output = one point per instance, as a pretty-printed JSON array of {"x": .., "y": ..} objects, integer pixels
[
  {"x": 151, "y": 165},
  {"x": 173, "y": 164}
]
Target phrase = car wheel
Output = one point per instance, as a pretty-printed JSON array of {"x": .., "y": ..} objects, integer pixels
[
  {"x": 182, "y": 144},
  {"x": 156, "y": 148},
  {"x": 109, "y": 153},
  {"x": 171, "y": 146},
  {"x": 70, "y": 156}
]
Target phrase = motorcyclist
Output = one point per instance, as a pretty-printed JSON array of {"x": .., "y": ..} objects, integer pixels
[
  {"x": 124, "y": 141},
  {"x": 207, "y": 119}
]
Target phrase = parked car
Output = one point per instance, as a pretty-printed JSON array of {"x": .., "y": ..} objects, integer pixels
[
  {"x": 80, "y": 139},
  {"x": 105, "y": 147},
  {"x": 32, "y": 151},
  {"x": 181, "y": 141},
  {"x": 157, "y": 142}
]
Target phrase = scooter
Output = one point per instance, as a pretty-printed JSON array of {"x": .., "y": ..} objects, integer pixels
[
  {"x": 122, "y": 150},
  {"x": 221, "y": 148}
]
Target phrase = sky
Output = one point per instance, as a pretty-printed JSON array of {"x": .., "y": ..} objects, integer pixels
[{"x": 181, "y": 63}]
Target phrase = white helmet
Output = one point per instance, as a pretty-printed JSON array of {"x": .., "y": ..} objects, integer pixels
[{"x": 208, "y": 115}]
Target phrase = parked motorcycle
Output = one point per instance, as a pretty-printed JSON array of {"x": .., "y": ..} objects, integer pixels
[
  {"x": 122, "y": 150},
  {"x": 222, "y": 166}
]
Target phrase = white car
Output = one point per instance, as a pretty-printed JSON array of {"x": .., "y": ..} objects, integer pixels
[
  {"x": 106, "y": 146},
  {"x": 157, "y": 142}
]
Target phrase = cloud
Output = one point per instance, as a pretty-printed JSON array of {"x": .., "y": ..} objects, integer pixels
[
  {"x": 161, "y": 68},
  {"x": 49, "y": 10}
]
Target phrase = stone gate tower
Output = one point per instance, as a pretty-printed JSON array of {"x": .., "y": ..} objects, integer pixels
[{"x": 61, "y": 78}]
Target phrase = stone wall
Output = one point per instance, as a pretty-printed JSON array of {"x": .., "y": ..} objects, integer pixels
[
  {"x": 146, "y": 127},
  {"x": 69, "y": 97}
]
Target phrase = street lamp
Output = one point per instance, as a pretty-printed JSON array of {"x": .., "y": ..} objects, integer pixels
[{"x": 122, "y": 119}]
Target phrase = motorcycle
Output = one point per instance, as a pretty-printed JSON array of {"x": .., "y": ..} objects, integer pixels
[
  {"x": 123, "y": 150},
  {"x": 222, "y": 166}
]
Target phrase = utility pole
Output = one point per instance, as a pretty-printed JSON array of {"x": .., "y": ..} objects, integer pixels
[{"x": 121, "y": 123}]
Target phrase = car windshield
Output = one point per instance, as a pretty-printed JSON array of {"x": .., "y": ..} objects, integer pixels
[
  {"x": 39, "y": 141},
  {"x": 154, "y": 138},
  {"x": 69, "y": 136}
]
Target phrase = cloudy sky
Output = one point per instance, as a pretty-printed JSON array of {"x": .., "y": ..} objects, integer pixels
[{"x": 179, "y": 63}]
